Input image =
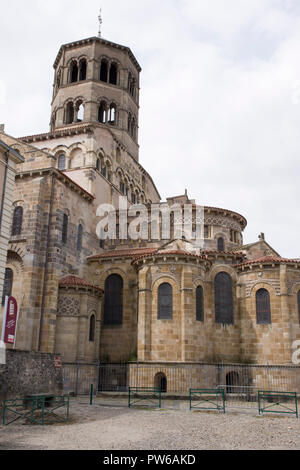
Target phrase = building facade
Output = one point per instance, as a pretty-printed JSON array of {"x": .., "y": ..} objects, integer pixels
[
  {"x": 152, "y": 299},
  {"x": 9, "y": 159}
]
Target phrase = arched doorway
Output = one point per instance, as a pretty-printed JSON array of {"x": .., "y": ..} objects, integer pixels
[
  {"x": 232, "y": 381},
  {"x": 160, "y": 381}
]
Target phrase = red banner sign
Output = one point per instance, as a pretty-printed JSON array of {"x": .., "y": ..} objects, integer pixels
[{"x": 11, "y": 314}]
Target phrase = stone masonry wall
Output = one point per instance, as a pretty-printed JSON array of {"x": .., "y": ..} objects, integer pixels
[{"x": 29, "y": 373}]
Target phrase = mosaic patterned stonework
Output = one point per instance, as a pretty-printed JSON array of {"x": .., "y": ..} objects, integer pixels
[{"x": 68, "y": 306}]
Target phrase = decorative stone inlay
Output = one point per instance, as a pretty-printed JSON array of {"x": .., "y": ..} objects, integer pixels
[
  {"x": 275, "y": 283},
  {"x": 68, "y": 306}
]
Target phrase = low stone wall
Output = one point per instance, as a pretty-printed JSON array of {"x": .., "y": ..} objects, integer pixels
[{"x": 29, "y": 373}]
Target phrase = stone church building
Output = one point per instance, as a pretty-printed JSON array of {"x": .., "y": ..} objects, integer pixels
[{"x": 153, "y": 300}]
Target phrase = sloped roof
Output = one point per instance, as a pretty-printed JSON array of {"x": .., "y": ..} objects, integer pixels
[{"x": 74, "y": 281}]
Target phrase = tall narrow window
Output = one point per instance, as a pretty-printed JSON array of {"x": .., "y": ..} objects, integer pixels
[
  {"x": 223, "y": 299},
  {"x": 298, "y": 296},
  {"x": 103, "y": 71},
  {"x": 82, "y": 70},
  {"x": 165, "y": 301},
  {"x": 79, "y": 237},
  {"x": 73, "y": 72},
  {"x": 8, "y": 283},
  {"x": 263, "y": 307},
  {"x": 112, "y": 115},
  {"x": 221, "y": 246},
  {"x": 64, "y": 236},
  {"x": 62, "y": 161},
  {"x": 199, "y": 304},
  {"x": 17, "y": 221},
  {"x": 70, "y": 113},
  {"x": 102, "y": 113},
  {"x": 113, "y": 74},
  {"x": 113, "y": 300},
  {"x": 92, "y": 328}
]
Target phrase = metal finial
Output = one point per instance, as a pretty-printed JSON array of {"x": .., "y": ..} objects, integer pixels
[{"x": 100, "y": 23}]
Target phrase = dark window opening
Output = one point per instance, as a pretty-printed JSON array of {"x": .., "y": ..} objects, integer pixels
[
  {"x": 223, "y": 299},
  {"x": 92, "y": 328},
  {"x": 298, "y": 296},
  {"x": 232, "y": 382},
  {"x": 199, "y": 304},
  {"x": 8, "y": 284},
  {"x": 113, "y": 74},
  {"x": 165, "y": 302},
  {"x": 160, "y": 381},
  {"x": 113, "y": 300},
  {"x": 73, "y": 72},
  {"x": 221, "y": 246},
  {"x": 79, "y": 237},
  {"x": 64, "y": 236},
  {"x": 69, "y": 113},
  {"x": 17, "y": 221},
  {"x": 82, "y": 70},
  {"x": 102, "y": 113},
  {"x": 103, "y": 71},
  {"x": 263, "y": 307}
]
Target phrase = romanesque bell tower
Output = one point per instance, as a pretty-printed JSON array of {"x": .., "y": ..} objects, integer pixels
[{"x": 97, "y": 82}]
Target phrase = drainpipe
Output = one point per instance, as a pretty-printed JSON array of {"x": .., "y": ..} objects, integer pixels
[
  {"x": 4, "y": 188},
  {"x": 46, "y": 263}
]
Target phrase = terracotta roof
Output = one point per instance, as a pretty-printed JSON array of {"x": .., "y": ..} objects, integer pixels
[
  {"x": 72, "y": 280},
  {"x": 269, "y": 260},
  {"x": 129, "y": 253},
  {"x": 217, "y": 252}
]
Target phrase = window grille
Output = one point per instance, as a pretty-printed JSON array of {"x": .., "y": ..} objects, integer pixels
[
  {"x": 165, "y": 302},
  {"x": 223, "y": 299},
  {"x": 263, "y": 307},
  {"x": 113, "y": 300}
]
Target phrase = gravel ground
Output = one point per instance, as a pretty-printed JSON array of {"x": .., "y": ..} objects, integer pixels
[{"x": 110, "y": 425}]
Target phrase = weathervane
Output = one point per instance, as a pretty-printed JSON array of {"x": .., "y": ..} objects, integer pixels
[{"x": 100, "y": 23}]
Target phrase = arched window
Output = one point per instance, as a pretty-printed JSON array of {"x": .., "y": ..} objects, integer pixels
[
  {"x": 64, "y": 235},
  {"x": 112, "y": 115},
  {"x": 98, "y": 164},
  {"x": 103, "y": 71},
  {"x": 82, "y": 69},
  {"x": 165, "y": 301},
  {"x": 92, "y": 328},
  {"x": 79, "y": 237},
  {"x": 298, "y": 296},
  {"x": 73, "y": 72},
  {"x": 263, "y": 307},
  {"x": 102, "y": 113},
  {"x": 223, "y": 299},
  {"x": 113, "y": 300},
  {"x": 221, "y": 246},
  {"x": 8, "y": 283},
  {"x": 80, "y": 111},
  {"x": 113, "y": 74},
  {"x": 62, "y": 161},
  {"x": 199, "y": 304},
  {"x": 70, "y": 113},
  {"x": 17, "y": 221}
]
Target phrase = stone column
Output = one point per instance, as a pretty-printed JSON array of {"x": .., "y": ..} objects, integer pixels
[
  {"x": 144, "y": 315},
  {"x": 285, "y": 317},
  {"x": 186, "y": 312}
]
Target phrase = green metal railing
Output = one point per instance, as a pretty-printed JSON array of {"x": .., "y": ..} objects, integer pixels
[
  {"x": 207, "y": 399},
  {"x": 35, "y": 410},
  {"x": 277, "y": 402},
  {"x": 144, "y": 396}
]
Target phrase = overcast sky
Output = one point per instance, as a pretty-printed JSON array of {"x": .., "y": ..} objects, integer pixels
[{"x": 220, "y": 95}]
